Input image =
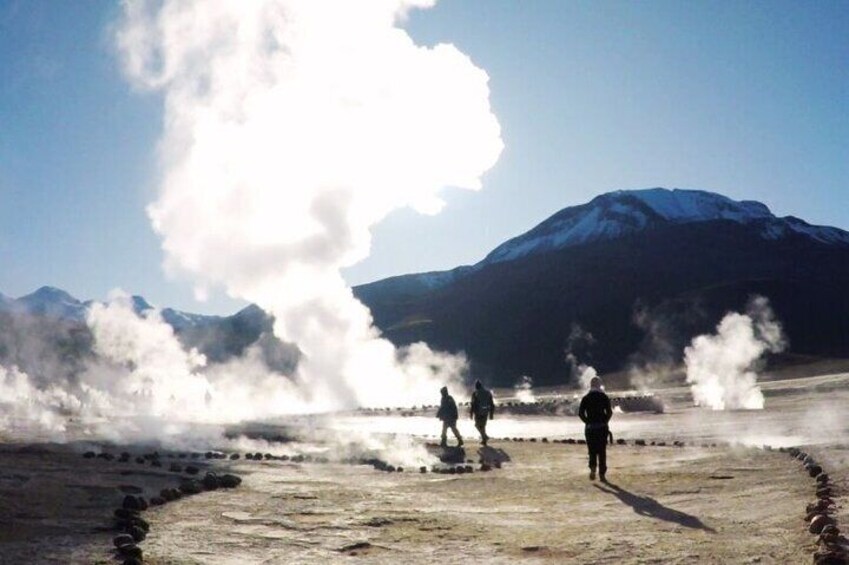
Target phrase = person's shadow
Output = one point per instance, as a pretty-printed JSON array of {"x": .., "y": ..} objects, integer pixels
[{"x": 647, "y": 506}]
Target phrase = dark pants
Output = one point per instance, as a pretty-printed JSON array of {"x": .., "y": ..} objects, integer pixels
[
  {"x": 480, "y": 424},
  {"x": 597, "y": 447},
  {"x": 453, "y": 427}
]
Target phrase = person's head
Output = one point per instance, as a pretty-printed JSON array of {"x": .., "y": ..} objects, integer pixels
[
  {"x": 596, "y": 384},
  {"x": 478, "y": 385},
  {"x": 444, "y": 391}
]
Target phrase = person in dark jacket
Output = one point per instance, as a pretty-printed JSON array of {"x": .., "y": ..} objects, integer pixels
[
  {"x": 595, "y": 412},
  {"x": 448, "y": 414},
  {"x": 482, "y": 409}
]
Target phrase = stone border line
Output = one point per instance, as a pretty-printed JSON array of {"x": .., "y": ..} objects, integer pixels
[{"x": 832, "y": 546}]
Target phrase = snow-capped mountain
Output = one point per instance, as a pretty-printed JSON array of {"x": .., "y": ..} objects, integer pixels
[
  {"x": 55, "y": 303},
  {"x": 625, "y": 212},
  {"x": 689, "y": 256}
]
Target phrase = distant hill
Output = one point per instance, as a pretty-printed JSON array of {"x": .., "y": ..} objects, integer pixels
[
  {"x": 45, "y": 333},
  {"x": 681, "y": 257}
]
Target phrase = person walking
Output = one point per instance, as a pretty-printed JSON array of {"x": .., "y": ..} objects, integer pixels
[
  {"x": 448, "y": 414},
  {"x": 595, "y": 412},
  {"x": 482, "y": 409}
]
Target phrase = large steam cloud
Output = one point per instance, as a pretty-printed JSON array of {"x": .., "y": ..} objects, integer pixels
[
  {"x": 721, "y": 368},
  {"x": 291, "y": 128}
]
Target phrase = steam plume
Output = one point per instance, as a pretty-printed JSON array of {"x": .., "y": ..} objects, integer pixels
[
  {"x": 721, "y": 368},
  {"x": 578, "y": 345},
  {"x": 291, "y": 128},
  {"x": 524, "y": 389}
]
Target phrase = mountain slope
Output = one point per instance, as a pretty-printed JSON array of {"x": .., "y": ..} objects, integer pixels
[{"x": 685, "y": 256}]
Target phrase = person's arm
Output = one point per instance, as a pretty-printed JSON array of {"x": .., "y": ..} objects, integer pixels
[
  {"x": 491, "y": 406},
  {"x": 582, "y": 410},
  {"x": 608, "y": 411},
  {"x": 473, "y": 405}
]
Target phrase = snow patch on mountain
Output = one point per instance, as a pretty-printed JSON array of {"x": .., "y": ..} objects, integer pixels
[{"x": 624, "y": 212}]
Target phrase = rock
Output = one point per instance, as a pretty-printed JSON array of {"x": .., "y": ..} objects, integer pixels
[
  {"x": 234, "y": 457},
  {"x": 819, "y": 522},
  {"x": 125, "y": 513},
  {"x": 422, "y": 469},
  {"x": 157, "y": 501},
  {"x": 192, "y": 470},
  {"x": 172, "y": 493},
  {"x": 822, "y": 478},
  {"x": 132, "y": 561},
  {"x": 140, "y": 460},
  {"x": 249, "y": 456},
  {"x": 829, "y": 557},
  {"x": 819, "y": 506},
  {"x": 156, "y": 463},
  {"x": 125, "y": 457},
  {"x": 191, "y": 486},
  {"x": 829, "y": 534},
  {"x": 824, "y": 492},
  {"x": 137, "y": 533},
  {"x": 175, "y": 468},
  {"x": 814, "y": 470},
  {"x": 486, "y": 467},
  {"x": 210, "y": 481},
  {"x": 143, "y": 505},
  {"x": 131, "y": 503},
  {"x": 122, "y": 539},
  {"x": 209, "y": 455},
  {"x": 130, "y": 550},
  {"x": 620, "y": 441},
  {"x": 89, "y": 455},
  {"x": 141, "y": 523},
  {"x": 469, "y": 469},
  {"x": 229, "y": 481}
]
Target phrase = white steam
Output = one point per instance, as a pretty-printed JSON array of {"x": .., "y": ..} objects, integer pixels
[
  {"x": 524, "y": 389},
  {"x": 291, "y": 128},
  {"x": 722, "y": 368}
]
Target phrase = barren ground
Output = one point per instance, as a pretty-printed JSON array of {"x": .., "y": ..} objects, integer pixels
[{"x": 690, "y": 504}]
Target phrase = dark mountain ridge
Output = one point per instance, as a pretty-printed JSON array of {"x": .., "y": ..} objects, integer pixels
[{"x": 686, "y": 257}]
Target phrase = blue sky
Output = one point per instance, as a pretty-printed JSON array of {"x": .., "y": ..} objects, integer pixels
[{"x": 749, "y": 99}]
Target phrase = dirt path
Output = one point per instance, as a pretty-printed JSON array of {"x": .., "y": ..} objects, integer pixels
[{"x": 664, "y": 505}]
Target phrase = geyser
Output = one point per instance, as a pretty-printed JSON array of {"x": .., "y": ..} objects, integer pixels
[
  {"x": 291, "y": 128},
  {"x": 721, "y": 368}
]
